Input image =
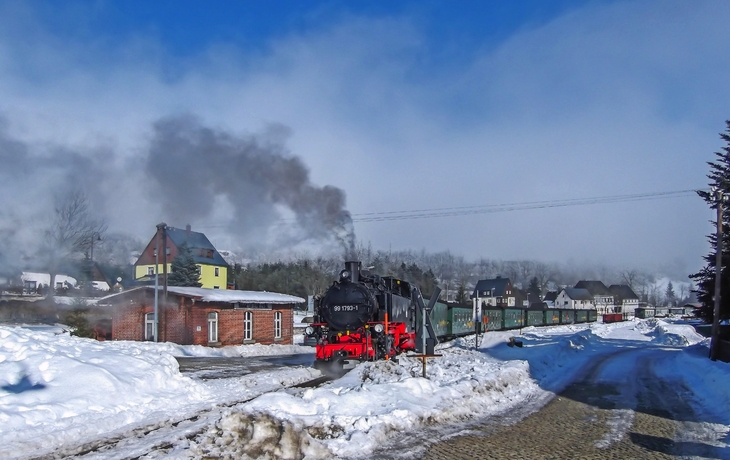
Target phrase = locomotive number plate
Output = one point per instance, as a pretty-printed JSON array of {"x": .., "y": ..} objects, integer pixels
[{"x": 345, "y": 308}]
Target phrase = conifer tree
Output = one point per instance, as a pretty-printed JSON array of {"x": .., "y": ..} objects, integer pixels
[
  {"x": 184, "y": 271},
  {"x": 534, "y": 289},
  {"x": 705, "y": 279}
]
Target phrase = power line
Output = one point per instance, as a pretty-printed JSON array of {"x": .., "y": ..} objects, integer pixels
[{"x": 454, "y": 211}]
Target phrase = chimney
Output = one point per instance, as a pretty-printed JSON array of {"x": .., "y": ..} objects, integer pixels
[{"x": 187, "y": 230}]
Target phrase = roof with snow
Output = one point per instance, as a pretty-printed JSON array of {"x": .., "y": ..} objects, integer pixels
[{"x": 220, "y": 295}]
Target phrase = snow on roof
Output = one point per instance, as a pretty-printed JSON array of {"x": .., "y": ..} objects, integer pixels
[
  {"x": 233, "y": 296},
  {"x": 224, "y": 295}
]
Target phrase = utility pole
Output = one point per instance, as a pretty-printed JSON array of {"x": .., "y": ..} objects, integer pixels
[
  {"x": 160, "y": 229},
  {"x": 157, "y": 279},
  {"x": 715, "y": 341}
]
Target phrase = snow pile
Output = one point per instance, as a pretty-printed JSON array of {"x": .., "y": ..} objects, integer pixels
[
  {"x": 58, "y": 390},
  {"x": 366, "y": 407},
  {"x": 675, "y": 335},
  {"x": 47, "y": 380}
]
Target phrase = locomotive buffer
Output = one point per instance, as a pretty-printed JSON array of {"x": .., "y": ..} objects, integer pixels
[{"x": 425, "y": 336}]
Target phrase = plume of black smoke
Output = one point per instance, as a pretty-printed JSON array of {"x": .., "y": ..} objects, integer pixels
[{"x": 194, "y": 166}]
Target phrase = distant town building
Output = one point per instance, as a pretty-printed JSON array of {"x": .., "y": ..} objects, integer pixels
[
  {"x": 602, "y": 297},
  {"x": 575, "y": 298},
  {"x": 495, "y": 292},
  {"x": 213, "y": 268},
  {"x": 625, "y": 298}
]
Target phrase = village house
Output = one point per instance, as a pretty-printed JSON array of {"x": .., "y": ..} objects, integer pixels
[
  {"x": 213, "y": 268},
  {"x": 575, "y": 298},
  {"x": 201, "y": 316},
  {"x": 625, "y": 298},
  {"x": 602, "y": 297},
  {"x": 496, "y": 292}
]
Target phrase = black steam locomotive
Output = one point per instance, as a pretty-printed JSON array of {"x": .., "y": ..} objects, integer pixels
[{"x": 365, "y": 317}]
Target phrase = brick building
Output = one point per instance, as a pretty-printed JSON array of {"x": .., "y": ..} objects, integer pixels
[{"x": 200, "y": 316}]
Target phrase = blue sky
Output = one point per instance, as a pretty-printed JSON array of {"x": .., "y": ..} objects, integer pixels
[{"x": 401, "y": 105}]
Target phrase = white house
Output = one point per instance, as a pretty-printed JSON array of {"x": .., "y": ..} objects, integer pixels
[
  {"x": 33, "y": 280},
  {"x": 576, "y": 299},
  {"x": 626, "y": 299}
]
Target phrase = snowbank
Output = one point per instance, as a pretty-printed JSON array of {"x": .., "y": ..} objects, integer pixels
[
  {"x": 56, "y": 389},
  {"x": 47, "y": 380},
  {"x": 352, "y": 416}
]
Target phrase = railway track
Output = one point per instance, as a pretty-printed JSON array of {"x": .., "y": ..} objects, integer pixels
[{"x": 132, "y": 444}]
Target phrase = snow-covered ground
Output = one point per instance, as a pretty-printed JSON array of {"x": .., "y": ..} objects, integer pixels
[{"x": 58, "y": 391}]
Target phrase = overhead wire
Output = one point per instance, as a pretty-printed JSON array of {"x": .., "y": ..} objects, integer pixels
[{"x": 453, "y": 211}]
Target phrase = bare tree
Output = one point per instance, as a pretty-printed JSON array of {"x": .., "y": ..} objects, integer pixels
[
  {"x": 629, "y": 277},
  {"x": 544, "y": 274},
  {"x": 71, "y": 233}
]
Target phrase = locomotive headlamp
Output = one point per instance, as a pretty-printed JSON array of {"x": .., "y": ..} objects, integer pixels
[
  {"x": 344, "y": 274},
  {"x": 309, "y": 330},
  {"x": 378, "y": 328}
]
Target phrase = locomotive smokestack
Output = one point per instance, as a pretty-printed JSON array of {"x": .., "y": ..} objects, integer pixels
[{"x": 353, "y": 267}]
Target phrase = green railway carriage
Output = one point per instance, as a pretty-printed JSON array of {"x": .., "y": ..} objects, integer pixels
[
  {"x": 535, "y": 317},
  {"x": 645, "y": 312},
  {"x": 581, "y": 316},
  {"x": 567, "y": 316},
  {"x": 552, "y": 316},
  {"x": 492, "y": 319},
  {"x": 513, "y": 317},
  {"x": 592, "y": 316},
  {"x": 461, "y": 319}
]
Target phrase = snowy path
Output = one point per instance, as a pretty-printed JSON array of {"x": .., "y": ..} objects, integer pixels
[{"x": 619, "y": 407}]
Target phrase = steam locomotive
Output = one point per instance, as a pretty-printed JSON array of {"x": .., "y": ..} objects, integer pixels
[{"x": 365, "y": 317}]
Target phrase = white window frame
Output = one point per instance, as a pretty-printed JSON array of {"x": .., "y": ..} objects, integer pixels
[
  {"x": 277, "y": 324},
  {"x": 247, "y": 326},
  {"x": 217, "y": 271},
  {"x": 213, "y": 327},
  {"x": 149, "y": 326}
]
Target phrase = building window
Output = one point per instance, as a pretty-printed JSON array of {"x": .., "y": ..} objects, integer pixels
[
  {"x": 216, "y": 287},
  {"x": 150, "y": 270},
  {"x": 217, "y": 271},
  {"x": 277, "y": 325},
  {"x": 212, "y": 327},
  {"x": 247, "y": 326},
  {"x": 149, "y": 326}
]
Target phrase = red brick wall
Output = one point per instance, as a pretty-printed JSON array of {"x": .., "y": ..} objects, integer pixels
[{"x": 181, "y": 318}]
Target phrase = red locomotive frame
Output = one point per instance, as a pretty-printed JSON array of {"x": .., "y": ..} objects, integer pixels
[{"x": 359, "y": 344}]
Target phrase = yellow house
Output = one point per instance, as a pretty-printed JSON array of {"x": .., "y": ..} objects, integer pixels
[{"x": 213, "y": 269}]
